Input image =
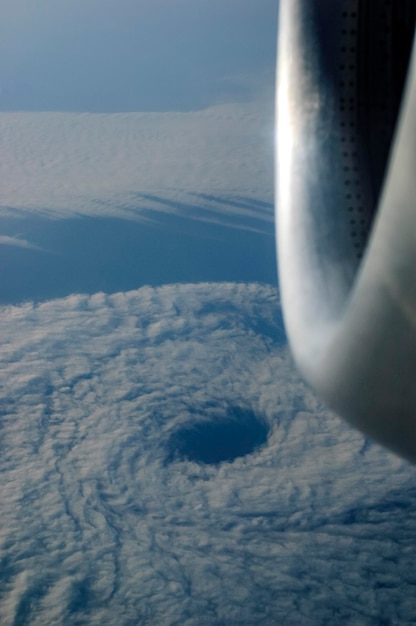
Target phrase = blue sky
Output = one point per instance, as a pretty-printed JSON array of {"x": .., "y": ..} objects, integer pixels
[{"x": 133, "y": 56}]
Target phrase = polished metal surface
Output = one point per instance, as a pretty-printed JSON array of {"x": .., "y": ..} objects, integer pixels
[{"x": 346, "y": 207}]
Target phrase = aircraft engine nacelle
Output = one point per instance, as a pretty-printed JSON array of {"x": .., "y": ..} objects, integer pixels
[{"x": 346, "y": 207}]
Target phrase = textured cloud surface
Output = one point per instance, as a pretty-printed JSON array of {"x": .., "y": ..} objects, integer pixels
[
  {"x": 106, "y": 519},
  {"x": 125, "y": 165},
  {"x": 111, "y": 202}
]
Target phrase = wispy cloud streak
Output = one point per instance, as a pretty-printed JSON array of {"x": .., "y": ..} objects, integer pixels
[{"x": 5, "y": 240}]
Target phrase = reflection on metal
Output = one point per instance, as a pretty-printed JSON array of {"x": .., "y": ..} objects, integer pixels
[{"x": 346, "y": 206}]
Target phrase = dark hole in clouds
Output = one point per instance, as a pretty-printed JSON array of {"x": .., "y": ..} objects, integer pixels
[
  {"x": 226, "y": 438},
  {"x": 80, "y": 596}
]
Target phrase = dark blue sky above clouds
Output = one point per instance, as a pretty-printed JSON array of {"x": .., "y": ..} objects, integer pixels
[
  {"x": 101, "y": 55},
  {"x": 161, "y": 461}
]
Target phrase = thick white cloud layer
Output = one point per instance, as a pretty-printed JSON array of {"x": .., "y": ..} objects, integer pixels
[
  {"x": 65, "y": 164},
  {"x": 102, "y": 524}
]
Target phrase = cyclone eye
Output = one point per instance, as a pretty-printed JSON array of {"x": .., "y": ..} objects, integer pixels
[{"x": 219, "y": 439}]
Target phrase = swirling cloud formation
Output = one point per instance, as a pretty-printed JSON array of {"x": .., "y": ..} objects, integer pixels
[{"x": 110, "y": 514}]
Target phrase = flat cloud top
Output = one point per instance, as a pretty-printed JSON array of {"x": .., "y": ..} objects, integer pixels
[
  {"x": 65, "y": 164},
  {"x": 102, "y": 525}
]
